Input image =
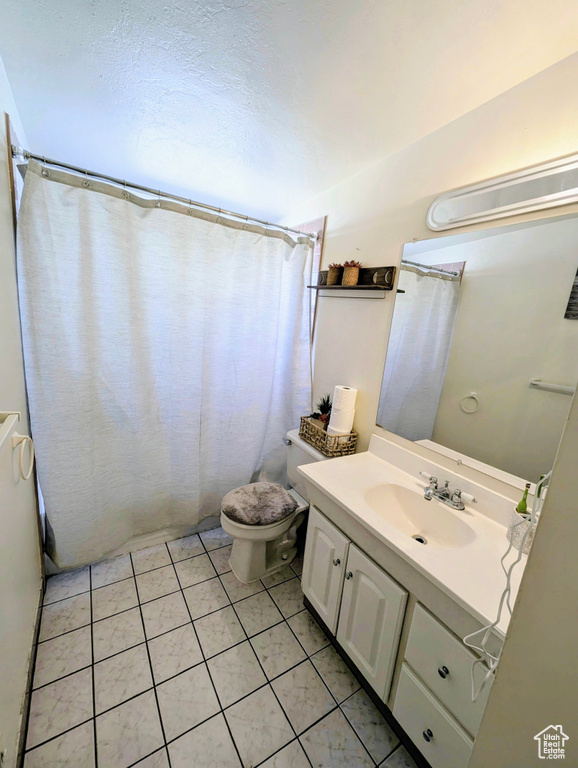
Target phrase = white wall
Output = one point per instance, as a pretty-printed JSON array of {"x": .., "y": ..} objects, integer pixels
[
  {"x": 510, "y": 327},
  {"x": 371, "y": 215},
  {"x": 20, "y": 575}
]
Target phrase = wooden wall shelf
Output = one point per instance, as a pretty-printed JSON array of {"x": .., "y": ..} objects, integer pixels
[{"x": 370, "y": 279}]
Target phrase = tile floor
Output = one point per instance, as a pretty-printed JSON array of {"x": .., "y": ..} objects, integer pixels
[{"x": 162, "y": 659}]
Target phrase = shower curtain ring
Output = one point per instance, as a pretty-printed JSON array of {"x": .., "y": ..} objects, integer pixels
[
  {"x": 125, "y": 193},
  {"x": 159, "y": 200}
]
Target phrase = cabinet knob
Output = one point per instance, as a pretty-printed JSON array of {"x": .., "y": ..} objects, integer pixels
[
  {"x": 349, "y": 575},
  {"x": 428, "y": 735},
  {"x": 443, "y": 672},
  {"x": 337, "y": 561}
]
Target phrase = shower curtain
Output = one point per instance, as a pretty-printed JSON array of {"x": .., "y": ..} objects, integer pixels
[
  {"x": 166, "y": 351},
  {"x": 417, "y": 354}
]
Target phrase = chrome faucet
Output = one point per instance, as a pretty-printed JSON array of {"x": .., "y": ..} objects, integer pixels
[{"x": 454, "y": 499}]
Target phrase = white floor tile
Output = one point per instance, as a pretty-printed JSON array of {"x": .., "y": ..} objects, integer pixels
[
  {"x": 220, "y": 559},
  {"x": 291, "y": 756},
  {"x": 121, "y": 677},
  {"x": 174, "y": 652},
  {"x": 158, "y": 583},
  {"x": 109, "y": 571},
  {"x": 219, "y": 631},
  {"x": 332, "y": 743},
  {"x": 67, "y": 585},
  {"x": 113, "y": 598},
  {"x": 237, "y": 590},
  {"x": 157, "y": 760},
  {"x": 206, "y": 597},
  {"x": 147, "y": 559},
  {"x": 194, "y": 570},
  {"x": 181, "y": 549},
  {"x": 209, "y": 745},
  {"x": 186, "y": 700},
  {"x": 288, "y": 597},
  {"x": 59, "y": 706},
  {"x": 278, "y": 577},
  {"x": 259, "y": 726},
  {"x": 62, "y": 656},
  {"x": 334, "y": 671},
  {"x": 236, "y": 673},
  {"x": 165, "y": 614},
  {"x": 215, "y": 538},
  {"x": 128, "y": 733},
  {"x": 399, "y": 759},
  {"x": 303, "y": 696},
  {"x": 277, "y": 650},
  {"x": 64, "y": 616},
  {"x": 308, "y": 632},
  {"x": 370, "y": 725},
  {"x": 74, "y": 749},
  {"x": 258, "y": 613},
  {"x": 117, "y": 633}
]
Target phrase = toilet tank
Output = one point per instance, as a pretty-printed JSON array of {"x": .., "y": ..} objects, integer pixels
[{"x": 299, "y": 452}]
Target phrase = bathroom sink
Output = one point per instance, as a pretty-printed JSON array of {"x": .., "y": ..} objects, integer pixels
[{"x": 429, "y": 523}]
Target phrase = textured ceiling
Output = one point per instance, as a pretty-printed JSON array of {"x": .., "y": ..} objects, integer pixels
[{"x": 259, "y": 105}]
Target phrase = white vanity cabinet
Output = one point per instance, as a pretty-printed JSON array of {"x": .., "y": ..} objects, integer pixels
[
  {"x": 365, "y": 609},
  {"x": 370, "y": 619},
  {"x": 324, "y": 567},
  {"x": 358, "y": 602}
]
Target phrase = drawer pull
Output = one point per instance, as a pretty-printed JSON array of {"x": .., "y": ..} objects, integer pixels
[
  {"x": 337, "y": 561},
  {"x": 428, "y": 735},
  {"x": 349, "y": 575},
  {"x": 443, "y": 672}
]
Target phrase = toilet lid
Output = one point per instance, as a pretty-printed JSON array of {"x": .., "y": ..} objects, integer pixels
[{"x": 258, "y": 504}]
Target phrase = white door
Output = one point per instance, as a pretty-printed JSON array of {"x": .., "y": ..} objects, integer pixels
[
  {"x": 372, "y": 611},
  {"x": 324, "y": 567}
]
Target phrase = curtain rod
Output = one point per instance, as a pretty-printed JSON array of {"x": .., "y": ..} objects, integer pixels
[
  {"x": 20, "y": 152},
  {"x": 429, "y": 267}
]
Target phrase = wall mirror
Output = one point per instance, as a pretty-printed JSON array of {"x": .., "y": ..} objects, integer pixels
[{"x": 482, "y": 359}]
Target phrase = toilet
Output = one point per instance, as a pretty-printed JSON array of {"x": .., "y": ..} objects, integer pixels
[{"x": 260, "y": 549}]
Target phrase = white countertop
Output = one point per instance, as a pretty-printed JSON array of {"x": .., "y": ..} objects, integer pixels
[{"x": 471, "y": 575}]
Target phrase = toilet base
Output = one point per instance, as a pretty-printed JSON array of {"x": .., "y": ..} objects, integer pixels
[{"x": 259, "y": 551}]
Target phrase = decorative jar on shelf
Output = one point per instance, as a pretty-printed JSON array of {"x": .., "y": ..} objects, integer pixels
[{"x": 350, "y": 273}]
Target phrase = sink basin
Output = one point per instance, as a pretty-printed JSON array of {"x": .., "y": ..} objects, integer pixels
[{"x": 429, "y": 523}]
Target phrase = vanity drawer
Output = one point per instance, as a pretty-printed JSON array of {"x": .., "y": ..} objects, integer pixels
[
  {"x": 430, "y": 648},
  {"x": 440, "y": 738}
]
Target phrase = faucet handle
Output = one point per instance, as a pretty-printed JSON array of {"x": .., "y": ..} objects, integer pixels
[
  {"x": 467, "y": 497},
  {"x": 433, "y": 481}
]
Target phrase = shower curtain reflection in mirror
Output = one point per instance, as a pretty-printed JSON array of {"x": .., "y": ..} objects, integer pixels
[{"x": 417, "y": 354}]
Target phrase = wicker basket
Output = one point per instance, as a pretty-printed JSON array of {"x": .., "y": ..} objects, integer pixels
[
  {"x": 350, "y": 276},
  {"x": 328, "y": 445}
]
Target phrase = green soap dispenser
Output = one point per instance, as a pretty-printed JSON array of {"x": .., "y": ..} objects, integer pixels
[{"x": 522, "y": 507}]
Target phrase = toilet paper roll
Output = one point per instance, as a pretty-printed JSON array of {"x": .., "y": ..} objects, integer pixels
[
  {"x": 344, "y": 398},
  {"x": 341, "y": 421}
]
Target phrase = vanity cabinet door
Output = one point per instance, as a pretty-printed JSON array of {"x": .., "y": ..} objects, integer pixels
[
  {"x": 370, "y": 621},
  {"x": 324, "y": 567}
]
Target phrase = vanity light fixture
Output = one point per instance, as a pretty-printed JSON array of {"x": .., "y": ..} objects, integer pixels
[{"x": 546, "y": 185}]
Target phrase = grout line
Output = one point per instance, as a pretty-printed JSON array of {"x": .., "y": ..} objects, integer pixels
[
  {"x": 151, "y": 667},
  {"x": 68, "y": 597},
  {"x": 92, "y": 674},
  {"x": 205, "y": 660},
  {"x": 68, "y": 632},
  {"x": 58, "y": 735},
  {"x": 265, "y": 674}
]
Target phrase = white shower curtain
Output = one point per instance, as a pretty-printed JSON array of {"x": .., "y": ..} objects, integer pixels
[
  {"x": 166, "y": 356},
  {"x": 417, "y": 354}
]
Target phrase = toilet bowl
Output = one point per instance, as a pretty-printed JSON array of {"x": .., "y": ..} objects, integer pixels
[{"x": 260, "y": 550}]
